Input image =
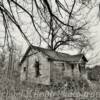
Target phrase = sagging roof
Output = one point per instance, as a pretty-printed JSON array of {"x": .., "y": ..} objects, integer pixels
[{"x": 56, "y": 56}]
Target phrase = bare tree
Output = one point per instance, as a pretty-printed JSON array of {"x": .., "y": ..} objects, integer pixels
[{"x": 57, "y": 22}]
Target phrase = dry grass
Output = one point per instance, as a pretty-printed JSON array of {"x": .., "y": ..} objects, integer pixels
[{"x": 13, "y": 89}]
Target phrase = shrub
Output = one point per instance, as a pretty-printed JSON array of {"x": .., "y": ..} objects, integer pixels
[{"x": 94, "y": 73}]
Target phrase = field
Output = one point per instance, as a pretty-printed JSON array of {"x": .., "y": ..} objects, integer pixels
[{"x": 68, "y": 89}]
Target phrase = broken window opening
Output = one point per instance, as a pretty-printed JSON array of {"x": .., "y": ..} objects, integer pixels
[
  {"x": 72, "y": 66},
  {"x": 37, "y": 68},
  {"x": 63, "y": 67},
  {"x": 79, "y": 68},
  {"x": 24, "y": 69}
]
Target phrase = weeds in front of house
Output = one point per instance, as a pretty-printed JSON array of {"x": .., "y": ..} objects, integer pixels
[{"x": 68, "y": 89}]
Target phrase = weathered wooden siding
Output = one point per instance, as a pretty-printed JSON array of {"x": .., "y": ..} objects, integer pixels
[
  {"x": 51, "y": 71},
  {"x": 44, "y": 69},
  {"x": 76, "y": 72},
  {"x": 59, "y": 70},
  {"x": 68, "y": 70},
  {"x": 56, "y": 72}
]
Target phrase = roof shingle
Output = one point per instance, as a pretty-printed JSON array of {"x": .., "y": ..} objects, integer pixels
[{"x": 53, "y": 55}]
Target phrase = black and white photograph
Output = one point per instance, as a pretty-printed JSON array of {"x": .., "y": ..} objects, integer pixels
[{"x": 49, "y": 49}]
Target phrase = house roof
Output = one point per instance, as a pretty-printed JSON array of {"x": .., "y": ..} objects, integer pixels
[{"x": 57, "y": 56}]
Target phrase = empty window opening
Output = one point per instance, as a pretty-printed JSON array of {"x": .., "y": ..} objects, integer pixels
[
  {"x": 37, "y": 68},
  {"x": 80, "y": 68},
  {"x": 63, "y": 67},
  {"x": 72, "y": 66},
  {"x": 24, "y": 69}
]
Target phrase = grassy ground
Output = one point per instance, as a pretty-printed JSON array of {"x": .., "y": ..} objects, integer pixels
[{"x": 68, "y": 89}]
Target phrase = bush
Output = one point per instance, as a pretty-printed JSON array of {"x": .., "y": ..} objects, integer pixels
[
  {"x": 94, "y": 74},
  {"x": 80, "y": 85}
]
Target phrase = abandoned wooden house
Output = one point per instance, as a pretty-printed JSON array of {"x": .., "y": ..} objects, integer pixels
[{"x": 45, "y": 66}]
